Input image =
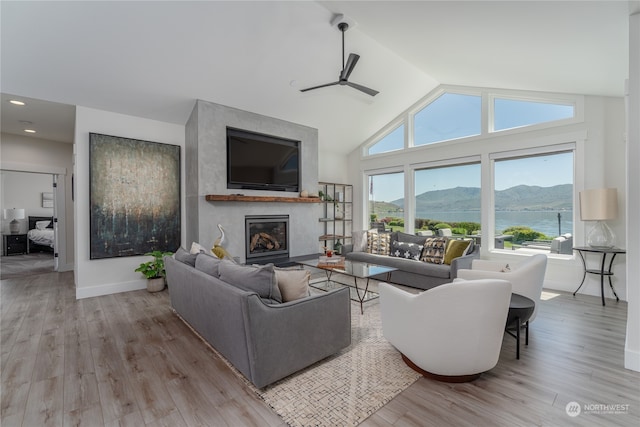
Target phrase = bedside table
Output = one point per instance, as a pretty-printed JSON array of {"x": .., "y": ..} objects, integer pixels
[{"x": 14, "y": 244}]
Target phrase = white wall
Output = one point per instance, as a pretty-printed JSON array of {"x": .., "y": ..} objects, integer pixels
[
  {"x": 106, "y": 276},
  {"x": 24, "y": 190},
  {"x": 600, "y": 161},
  {"x": 21, "y": 153},
  {"x": 632, "y": 344}
]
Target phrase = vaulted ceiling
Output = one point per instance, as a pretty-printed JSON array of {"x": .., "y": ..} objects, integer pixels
[{"x": 154, "y": 59}]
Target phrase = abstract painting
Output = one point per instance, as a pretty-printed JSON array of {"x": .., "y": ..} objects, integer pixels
[{"x": 134, "y": 196}]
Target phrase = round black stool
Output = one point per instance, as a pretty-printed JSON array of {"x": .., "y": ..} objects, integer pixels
[{"x": 520, "y": 310}]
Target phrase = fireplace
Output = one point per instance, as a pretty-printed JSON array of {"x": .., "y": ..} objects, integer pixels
[{"x": 267, "y": 236}]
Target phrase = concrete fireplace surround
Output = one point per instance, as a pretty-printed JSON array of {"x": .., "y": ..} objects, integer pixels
[{"x": 206, "y": 173}]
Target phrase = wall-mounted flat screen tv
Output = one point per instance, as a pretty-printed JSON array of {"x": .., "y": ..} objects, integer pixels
[{"x": 262, "y": 162}]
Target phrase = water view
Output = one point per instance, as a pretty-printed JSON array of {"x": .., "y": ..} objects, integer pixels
[{"x": 543, "y": 221}]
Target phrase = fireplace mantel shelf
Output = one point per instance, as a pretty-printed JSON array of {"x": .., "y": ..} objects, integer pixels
[{"x": 269, "y": 199}]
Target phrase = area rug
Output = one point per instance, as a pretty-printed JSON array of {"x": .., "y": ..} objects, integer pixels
[{"x": 348, "y": 387}]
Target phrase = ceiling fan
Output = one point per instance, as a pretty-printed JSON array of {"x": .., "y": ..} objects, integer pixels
[{"x": 346, "y": 70}]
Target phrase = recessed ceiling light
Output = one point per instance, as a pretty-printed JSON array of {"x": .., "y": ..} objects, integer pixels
[
  {"x": 16, "y": 102},
  {"x": 30, "y": 131}
]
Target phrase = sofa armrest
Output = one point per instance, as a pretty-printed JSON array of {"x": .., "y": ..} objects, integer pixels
[
  {"x": 287, "y": 337},
  {"x": 483, "y": 264},
  {"x": 463, "y": 262}
]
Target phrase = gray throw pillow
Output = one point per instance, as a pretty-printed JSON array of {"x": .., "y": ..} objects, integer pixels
[
  {"x": 208, "y": 264},
  {"x": 184, "y": 256},
  {"x": 260, "y": 279}
]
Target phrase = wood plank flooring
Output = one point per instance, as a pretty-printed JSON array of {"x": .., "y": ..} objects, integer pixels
[{"x": 127, "y": 360}]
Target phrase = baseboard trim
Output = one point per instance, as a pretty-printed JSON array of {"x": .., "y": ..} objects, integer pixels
[
  {"x": 632, "y": 359},
  {"x": 112, "y": 288}
]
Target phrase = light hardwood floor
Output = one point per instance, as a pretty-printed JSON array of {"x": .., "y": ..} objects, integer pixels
[{"x": 127, "y": 360}]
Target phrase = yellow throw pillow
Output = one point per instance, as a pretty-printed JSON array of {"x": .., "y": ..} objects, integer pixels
[{"x": 455, "y": 249}]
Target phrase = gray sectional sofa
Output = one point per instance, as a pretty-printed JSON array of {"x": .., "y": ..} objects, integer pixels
[
  {"x": 266, "y": 340},
  {"x": 411, "y": 272}
]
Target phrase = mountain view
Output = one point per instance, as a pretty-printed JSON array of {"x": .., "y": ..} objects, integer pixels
[{"x": 518, "y": 198}]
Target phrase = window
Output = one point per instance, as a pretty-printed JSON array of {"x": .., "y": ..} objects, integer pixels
[
  {"x": 386, "y": 200},
  {"x": 450, "y": 116},
  {"x": 533, "y": 198},
  {"x": 511, "y": 113},
  {"x": 391, "y": 142},
  {"x": 448, "y": 196}
]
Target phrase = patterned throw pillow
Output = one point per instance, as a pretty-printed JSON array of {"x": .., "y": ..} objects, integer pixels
[
  {"x": 434, "y": 250},
  {"x": 378, "y": 243},
  {"x": 406, "y": 250}
]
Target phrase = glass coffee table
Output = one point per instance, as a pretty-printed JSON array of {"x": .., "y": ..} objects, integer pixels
[{"x": 355, "y": 269}]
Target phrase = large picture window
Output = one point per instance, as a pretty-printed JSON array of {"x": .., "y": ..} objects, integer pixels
[
  {"x": 448, "y": 197},
  {"x": 450, "y": 116},
  {"x": 394, "y": 140},
  {"x": 386, "y": 200},
  {"x": 533, "y": 198}
]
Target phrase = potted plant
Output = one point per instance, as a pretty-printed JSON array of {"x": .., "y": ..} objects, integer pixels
[{"x": 154, "y": 270}]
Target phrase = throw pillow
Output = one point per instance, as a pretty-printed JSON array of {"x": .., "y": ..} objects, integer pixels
[
  {"x": 434, "y": 250},
  {"x": 455, "y": 249},
  {"x": 406, "y": 250},
  {"x": 293, "y": 283},
  {"x": 196, "y": 248},
  {"x": 41, "y": 225},
  {"x": 359, "y": 239},
  {"x": 208, "y": 264},
  {"x": 183, "y": 256},
  {"x": 259, "y": 279},
  {"x": 378, "y": 243}
]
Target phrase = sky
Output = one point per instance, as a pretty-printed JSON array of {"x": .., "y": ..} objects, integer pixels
[{"x": 455, "y": 116}]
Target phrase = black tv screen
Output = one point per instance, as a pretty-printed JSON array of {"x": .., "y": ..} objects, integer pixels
[{"x": 262, "y": 162}]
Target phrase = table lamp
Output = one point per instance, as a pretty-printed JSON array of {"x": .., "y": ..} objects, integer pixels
[
  {"x": 599, "y": 205},
  {"x": 14, "y": 215}
]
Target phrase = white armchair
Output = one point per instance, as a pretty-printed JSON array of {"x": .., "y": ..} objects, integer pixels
[
  {"x": 452, "y": 332},
  {"x": 526, "y": 277}
]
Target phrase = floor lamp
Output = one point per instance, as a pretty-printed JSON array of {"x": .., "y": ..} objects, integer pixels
[
  {"x": 14, "y": 215},
  {"x": 599, "y": 205}
]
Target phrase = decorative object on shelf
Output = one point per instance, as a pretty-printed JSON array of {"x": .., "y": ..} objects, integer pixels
[
  {"x": 337, "y": 247},
  {"x": 304, "y": 193},
  {"x": 14, "y": 215},
  {"x": 599, "y": 205},
  {"x": 154, "y": 270},
  {"x": 218, "y": 249}
]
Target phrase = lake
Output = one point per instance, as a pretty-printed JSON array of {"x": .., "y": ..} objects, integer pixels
[{"x": 544, "y": 221}]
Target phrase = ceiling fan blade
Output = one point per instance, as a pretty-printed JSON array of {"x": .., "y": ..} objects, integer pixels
[
  {"x": 318, "y": 87},
  {"x": 350, "y": 65},
  {"x": 363, "y": 88}
]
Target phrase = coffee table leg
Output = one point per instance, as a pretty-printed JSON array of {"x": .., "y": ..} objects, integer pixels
[{"x": 364, "y": 294}]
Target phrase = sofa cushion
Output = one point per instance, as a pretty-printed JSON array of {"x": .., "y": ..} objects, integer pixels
[
  {"x": 293, "y": 283},
  {"x": 208, "y": 264},
  {"x": 408, "y": 265},
  {"x": 378, "y": 243},
  {"x": 185, "y": 257},
  {"x": 259, "y": 279},
  {"x": 406, "y": 250},
  {"x": 434, "y": 249},
  {"x": 455, "y": 249}
]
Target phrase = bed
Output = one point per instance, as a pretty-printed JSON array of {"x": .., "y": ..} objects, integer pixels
[{"x": 40, "y": 234}]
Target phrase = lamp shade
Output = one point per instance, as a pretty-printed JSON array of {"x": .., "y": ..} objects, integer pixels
[
  {"x": 599, "y": 204},
  {"x": 14, "y": 213}
]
